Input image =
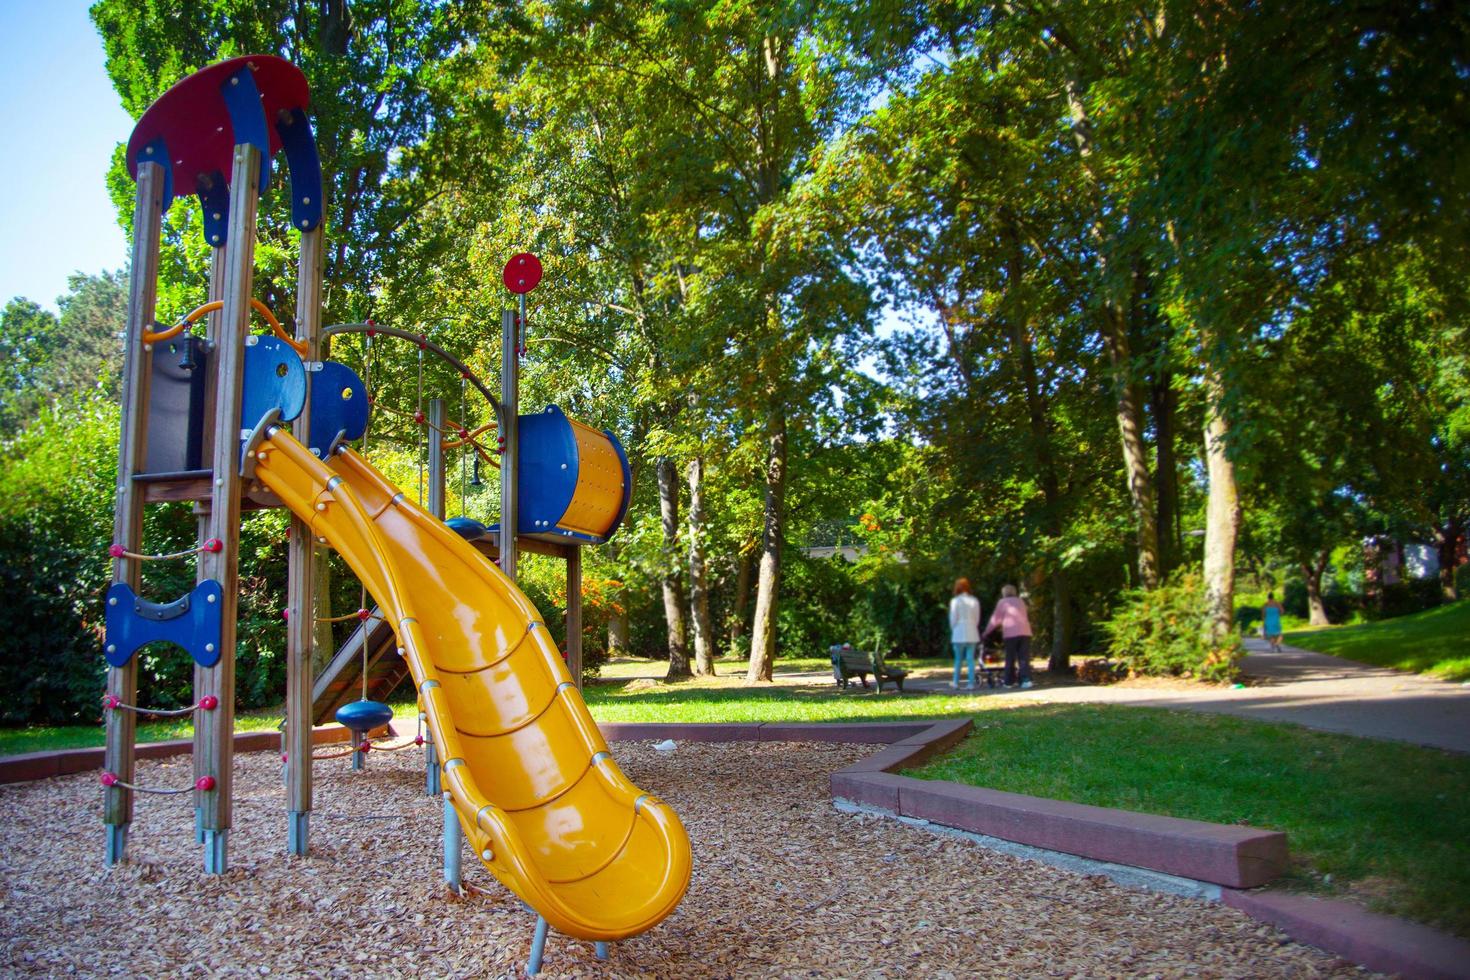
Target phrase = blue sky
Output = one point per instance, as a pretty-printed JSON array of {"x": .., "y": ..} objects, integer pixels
[{"x": 64, "y": 120}]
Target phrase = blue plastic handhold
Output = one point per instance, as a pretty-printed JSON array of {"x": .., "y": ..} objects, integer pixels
[
  {"x": 214, "y": 201},
  {"x": 274, "y": 378},
  {"x": 339, "y": 407},
  {"x": 192, "y": 622},
  {"x": 157, "y": 152},
  {"x": 364, "y": 716},
  {"x": 247, "y": 118},
  {"x": 305, "y": 168}
]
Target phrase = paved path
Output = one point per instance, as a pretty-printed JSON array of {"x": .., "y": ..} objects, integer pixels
[{"x": 1304, "y": 688}]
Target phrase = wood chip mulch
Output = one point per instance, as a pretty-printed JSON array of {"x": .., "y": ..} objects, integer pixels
[{"x": 784, "y": 885}]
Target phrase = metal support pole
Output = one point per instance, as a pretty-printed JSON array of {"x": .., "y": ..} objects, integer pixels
[
  {"x": 224, "y": 505},
  {"x": 216, "y": 851},
  {"x": 122, "y": 682},
  {"x": 538, "y": 947},
  {"x": 510, "y": 379},
  {"x": 357, "y": 753},
  {"x": 453, "y": 845},
  {"x": 301, "y": 571},
  {"x": 298, "y": 832},
  {"x": 435, "y": 419},
  {"x": 431, "y": 761}
]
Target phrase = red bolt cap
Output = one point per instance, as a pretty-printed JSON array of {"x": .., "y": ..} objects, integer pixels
[
  {"x": 364, "y": 615},
  {"x": 117, "y": 551},
  {"x": 464, "y": 433},
  {"x": 418, "y": 417},
  {"x": 209, "y": 702},
  {"x": 204, "y": 784},
  {"x": 109, "y": 779},
  {"x": 365, "y": 746},
  {"x": 110, "y": 701},
  {"x": 285, "y": 614},
  {"x": 418, "y": 740},
  {"x": 214, "y": 545}
]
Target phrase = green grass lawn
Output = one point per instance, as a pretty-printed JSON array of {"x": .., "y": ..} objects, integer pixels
[
  {"x": 1387, "y": 822},
  {"x": 1436, "y": 641},
  {"x": 49, "y": 738},
  {"x": 726, "y": 699}
]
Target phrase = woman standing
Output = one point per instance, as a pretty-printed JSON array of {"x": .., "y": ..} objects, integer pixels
[
  {"x": 964, "y": 629},
  {"x": 1271, "y": 622},
  {"x": 1015, "y": 627}
]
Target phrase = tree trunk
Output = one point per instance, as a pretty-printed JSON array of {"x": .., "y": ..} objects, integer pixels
[
  {"x": 1135, "y": 452},
  {"x": 763, "y": 631},
  {"x": 1447, "y": 540},
  {"x": 1037, "y": 411},
  {"x": 740, "y": 608},
  {"x": 672, "y": 578},
  {"x": 704, "y": 657},
  {"x": 1115, "y": 337},
  {"x": 1166, "y": 474},
  {"x": 617, "y": 634},
  {"x": 1222, "y": 510},
  {"x": 1312, "y": 572}
]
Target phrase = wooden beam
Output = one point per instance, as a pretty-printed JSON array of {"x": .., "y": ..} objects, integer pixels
[
  {"x": 201, "y": 512},
  {"x": 574, "y": 615},
  {"x": 224, "y": 507},
  {"x": 301, "y": 575},
  {"x": 127, "y": 516}
]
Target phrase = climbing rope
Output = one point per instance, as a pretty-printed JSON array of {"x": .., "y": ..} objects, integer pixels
[
  {"x": 203, "y": 784},
  {"x": 361, "y": 614},
  {"x": 111, "y": 702},
  {"x": 212, "y": 546}
]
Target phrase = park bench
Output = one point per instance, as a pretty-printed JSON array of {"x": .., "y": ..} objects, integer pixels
[{"x": 848, "y": 663}]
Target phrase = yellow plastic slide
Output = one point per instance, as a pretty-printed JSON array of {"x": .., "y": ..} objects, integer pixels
[{"x": 540, "y": 798}]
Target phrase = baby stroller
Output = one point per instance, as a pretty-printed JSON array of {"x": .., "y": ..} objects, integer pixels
[{"x": 992, "y": 661}]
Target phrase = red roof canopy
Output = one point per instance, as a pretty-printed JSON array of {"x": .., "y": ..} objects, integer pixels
[{"x": 194, "y": 123}]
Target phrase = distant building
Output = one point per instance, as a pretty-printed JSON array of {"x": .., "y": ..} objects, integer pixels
[{"x": 851, "y": 553}]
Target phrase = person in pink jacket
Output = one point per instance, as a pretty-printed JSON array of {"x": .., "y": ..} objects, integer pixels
[{"x": 1015, "y": 628}]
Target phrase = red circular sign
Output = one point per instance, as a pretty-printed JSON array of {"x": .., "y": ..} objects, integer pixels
[{"x": 522, "y": 273}]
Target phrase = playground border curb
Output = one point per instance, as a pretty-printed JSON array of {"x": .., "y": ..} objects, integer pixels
[
  {"x": 1378, "y": 942},
  {"x": 67, "y": 762}
]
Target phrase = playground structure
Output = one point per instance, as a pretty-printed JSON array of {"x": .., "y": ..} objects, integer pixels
[{"x": 232, "y": 420}]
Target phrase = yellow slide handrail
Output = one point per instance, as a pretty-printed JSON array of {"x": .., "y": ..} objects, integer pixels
[{"x": 154, "y": 336}]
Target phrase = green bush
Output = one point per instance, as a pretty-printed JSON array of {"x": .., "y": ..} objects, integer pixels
[
  {"x": 56, "y": 500},
  {"x": 1407, "y": 597},
  {"x": 1166, "y": 632}
]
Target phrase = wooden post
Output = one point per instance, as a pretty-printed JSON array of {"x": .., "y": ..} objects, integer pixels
[
  {"x": 224, "y": 505},
  {"x": 127, "y": 517},
  {"x": 510, "y": 379},
  {"x": 437, "y": 475},
  {"x": 574, "y": 613},
  {"x": 201, "y": 509},
  {"x": 301, "y": 573}
]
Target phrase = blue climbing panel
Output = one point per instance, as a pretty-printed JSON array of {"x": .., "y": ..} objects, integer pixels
[
  {"x": 192, "y": 622},
  {"x": 274, "y": 378},
  {"x": 339, "y": 407}
]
